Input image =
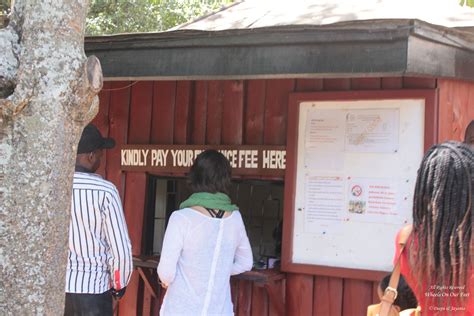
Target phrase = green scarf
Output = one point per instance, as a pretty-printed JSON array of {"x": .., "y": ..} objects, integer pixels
[{"x": 215, "y": 201}]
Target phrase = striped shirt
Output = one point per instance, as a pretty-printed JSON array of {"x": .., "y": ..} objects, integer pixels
[{"x": 100, "y": 255}]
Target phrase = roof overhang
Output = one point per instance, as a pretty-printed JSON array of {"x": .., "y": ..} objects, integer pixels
[{"x": 373, "y": 48}]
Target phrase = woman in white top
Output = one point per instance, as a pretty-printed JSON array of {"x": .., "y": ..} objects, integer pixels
[{"x": 205, "y": 243}]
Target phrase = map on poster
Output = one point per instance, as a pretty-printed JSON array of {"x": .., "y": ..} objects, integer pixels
[{"x": 356, "y": 170}]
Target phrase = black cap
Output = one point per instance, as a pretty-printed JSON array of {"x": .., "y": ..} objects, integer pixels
[{"x": 91, "y": 140}]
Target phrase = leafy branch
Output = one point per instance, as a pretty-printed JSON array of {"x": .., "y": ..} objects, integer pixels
[
  {"x": 469, "y": 3},
  {"x": 120, "y": 16}
]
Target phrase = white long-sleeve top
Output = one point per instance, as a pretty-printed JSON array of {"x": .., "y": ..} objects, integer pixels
[{"x": 199, "y": 255}]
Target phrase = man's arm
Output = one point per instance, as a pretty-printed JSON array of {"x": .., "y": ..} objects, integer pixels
[{"x": 120, "y": 252}]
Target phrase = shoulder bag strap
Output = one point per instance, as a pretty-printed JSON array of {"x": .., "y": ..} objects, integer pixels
[{"x": 390, "y": 293}]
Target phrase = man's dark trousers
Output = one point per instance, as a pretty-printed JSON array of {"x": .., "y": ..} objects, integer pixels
[{"x": 88, "y": 304}]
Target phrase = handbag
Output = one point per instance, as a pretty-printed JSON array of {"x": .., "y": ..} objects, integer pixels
[{"x": 386, "y": 307}]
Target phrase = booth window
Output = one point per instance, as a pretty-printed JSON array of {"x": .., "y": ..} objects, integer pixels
[{"x": 260, "y": 202}]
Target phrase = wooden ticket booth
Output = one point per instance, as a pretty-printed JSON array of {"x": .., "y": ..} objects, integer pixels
[
  {"x": 338, "y": 110},
  {"x": 257, "y": 188}
]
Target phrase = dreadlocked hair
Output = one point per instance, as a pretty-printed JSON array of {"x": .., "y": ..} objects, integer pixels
[{"x": 443, "y": 218}]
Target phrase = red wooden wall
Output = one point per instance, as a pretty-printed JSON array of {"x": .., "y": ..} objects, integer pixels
[
  {"x": 456, "y": 108},
  {"x": 242, "y": 112}
]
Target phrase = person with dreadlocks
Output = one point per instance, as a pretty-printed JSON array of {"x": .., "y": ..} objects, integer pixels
[{"x": 437, "y": 261}]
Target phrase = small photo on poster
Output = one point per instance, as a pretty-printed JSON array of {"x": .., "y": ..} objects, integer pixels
[
  {"x": 357, "y": 203},
  {"x": 357, "y": 207}
]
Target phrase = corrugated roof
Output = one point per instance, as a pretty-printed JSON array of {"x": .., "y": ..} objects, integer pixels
[{"x": 265, "y": 13}]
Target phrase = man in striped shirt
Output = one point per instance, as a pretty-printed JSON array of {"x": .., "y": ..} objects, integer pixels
[{"x": 100, "y": 258}]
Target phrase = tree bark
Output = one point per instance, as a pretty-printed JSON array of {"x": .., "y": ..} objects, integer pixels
[{"x": 48, "y": 93}]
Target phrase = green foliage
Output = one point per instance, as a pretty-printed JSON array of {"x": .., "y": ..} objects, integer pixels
[
  {"x": 128, "y": 16},
  {"x": 469, "y": 3},
  {"x": 4, "y": 7}
]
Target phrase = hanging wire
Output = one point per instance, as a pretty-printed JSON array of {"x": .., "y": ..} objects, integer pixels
[{"x": 121, "y": 88}]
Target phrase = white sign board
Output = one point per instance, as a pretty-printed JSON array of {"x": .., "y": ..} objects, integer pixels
[{"x": 356, "y": 170}]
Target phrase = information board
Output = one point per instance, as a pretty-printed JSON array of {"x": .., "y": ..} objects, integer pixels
[{"x": 356, "y": 163}]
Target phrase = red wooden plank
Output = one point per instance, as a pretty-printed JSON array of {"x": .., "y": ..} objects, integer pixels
[
  {"x": 280, "y": 288},
  {"x": 245, "y": 298},
  {"x": 233, "y": 112},
  {"x": 299, "y": 294},
  {"x": 336, "y": 84},
  {"x": 290, "y": 182},
  {"x": 199, "y": 113},
  {"x": 445, "y": 109},
  {"x": 366, "y": 83},
  {"x": 102, "y": 121},
  {"x": 470, "y": 107},
  {"x": 148, "y": 292},
  {"x": 456, "y": 108},
  {"x": 128, "y": 303},
  {"x": 392, "y": 83},
  {"x": 259, "y": 301},
  {"x": 375, "y": 294},
  {"x": 357, "y": 296},
  {"x": 162, "y": 296},
  {"x": 135, "y": 187},
  {"x": 181, "y": 114},
  {"x": 327, "y": 296},
  {"x": 307, "y": 85},
  {"x": 118, "y": 130},
  {"x": 215, "y": 100},
  {"x": 419, "y": 83},
  {"x": 134, "y": 212},
  {"x": 460, "y": 111},
  {"x": 155, "y": 307},
  {"x": 139, "y": 133},
  {"x": 431, "y": 119},
  {"x": 147, "y": 303},
  {"x": 234, "y": 290},
  {"x": 276, "y": 111},
  {"x": 162, "y": 122},
  {"x": 254, "y": 112},
  {"x": 140, "y": 113}
]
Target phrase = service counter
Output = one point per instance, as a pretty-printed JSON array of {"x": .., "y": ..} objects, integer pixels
[{"x": 256, "y": 292}]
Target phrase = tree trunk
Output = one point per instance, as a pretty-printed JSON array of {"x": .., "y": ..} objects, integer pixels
[{"x": 48, "y": 93}]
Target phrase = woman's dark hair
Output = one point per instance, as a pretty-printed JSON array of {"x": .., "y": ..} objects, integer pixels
[
  {"x": 442, "y": 217},
  {"x": 405, "y": 297},
  {"x": 211, "y": 172}
]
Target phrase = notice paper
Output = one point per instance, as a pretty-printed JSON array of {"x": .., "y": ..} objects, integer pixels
[
  {"x": 325, "y": 130},
  {"x": 373, "y": 131},
  {"x": 373, "y": 200},
  {"x": 325, "y": 201}
]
